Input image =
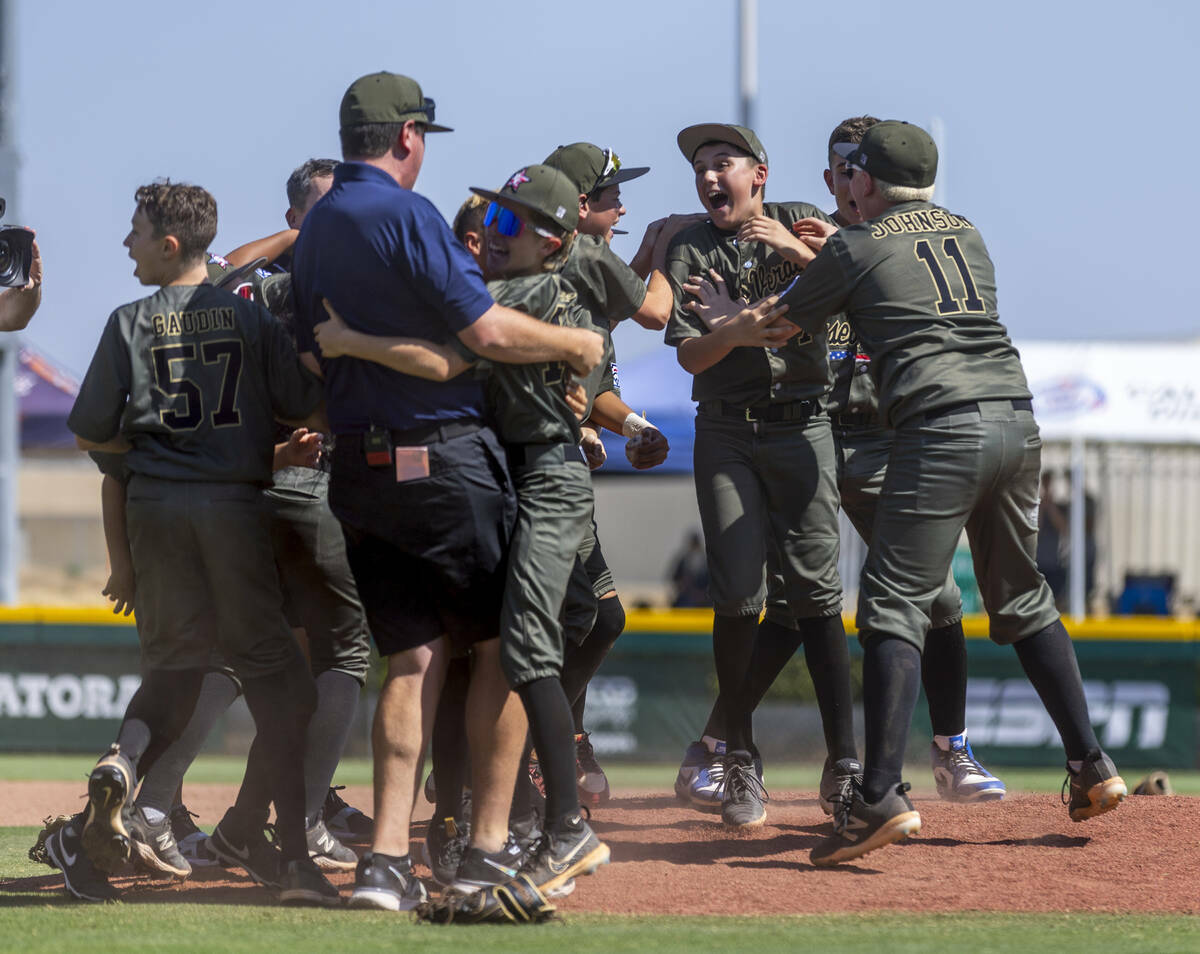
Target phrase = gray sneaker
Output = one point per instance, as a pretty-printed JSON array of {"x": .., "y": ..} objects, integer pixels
[
  {"x": 326, "y": 851},
  {"x": 1095, "y": 789},
  {"x": 860, "y": 827},
  {"x": 742, "y": 807},
  {"x": 837, "y": 783},
  {"x": 387, "y": 884},
  {"x": 445, "y": 844},
  {"x": 303, "y": 883},
  {"x": 482, "y": 869},
  {"x": 154, "y": 845}
]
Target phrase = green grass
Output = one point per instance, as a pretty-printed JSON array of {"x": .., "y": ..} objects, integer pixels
[{"x": 229, "y": 770}]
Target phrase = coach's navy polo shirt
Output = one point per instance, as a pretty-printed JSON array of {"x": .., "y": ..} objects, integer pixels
[{"x": 387, "y": 261}]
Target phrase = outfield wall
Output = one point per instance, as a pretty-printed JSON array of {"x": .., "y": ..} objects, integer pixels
[{"x": 66, "y": 676}]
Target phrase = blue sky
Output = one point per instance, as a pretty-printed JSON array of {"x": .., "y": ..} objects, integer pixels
[{"x": 1069, "y": 126}]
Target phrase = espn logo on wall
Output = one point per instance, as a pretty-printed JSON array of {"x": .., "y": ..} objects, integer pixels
[{"x": 38, "y": 695}]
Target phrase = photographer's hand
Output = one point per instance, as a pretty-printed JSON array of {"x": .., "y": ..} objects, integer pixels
[{"x": 17, "y": 305}]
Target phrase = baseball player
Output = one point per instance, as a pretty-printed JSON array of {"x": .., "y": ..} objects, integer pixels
[
  {"x": 764, "y": 458},
  {"x": 529, "y": 228},
  {"x": 862, "y": 444},
  {"x": 187, "y": 383},
  {"x": 918, "y": 287}
]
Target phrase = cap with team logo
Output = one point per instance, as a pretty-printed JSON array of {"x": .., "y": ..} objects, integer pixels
[
  {"x": 225, "y": 275},
  {"x": 541, "y": 189},
  {"x": 896, "y": 152},
  {"x": 592, "y": 168},
  {"x": 387, "y": 98},
  {"x": 692, "y": 138}
]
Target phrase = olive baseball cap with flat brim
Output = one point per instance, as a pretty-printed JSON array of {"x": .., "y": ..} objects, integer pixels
[
  {"x": 692, "y": 138},
  {"x": 387, "y": 98},
  {"x": 592, "y": 168},
  {"x": 540, "y": 189},
  {"x": 896, "y": 152}
]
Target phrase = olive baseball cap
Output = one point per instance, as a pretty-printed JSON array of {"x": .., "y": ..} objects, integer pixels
[
  {"x": 694, "y": 137},
  {"x": 592, "y": 168},
  {"x": 387, "y": 98},
  {"x": 896, "y": 152},
  {"x": 541, "y": 189}
]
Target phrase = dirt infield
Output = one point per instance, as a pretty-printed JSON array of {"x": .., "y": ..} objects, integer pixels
[{"x": 1022, "y": 854}]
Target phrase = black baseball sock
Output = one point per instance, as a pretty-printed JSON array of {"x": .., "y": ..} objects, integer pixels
[
  {"x": 582, "y": 661},
  {"x": 733, "y": 646},
  {"x": 1048, "y": 659},
  {"x": 774, "y": 645},
  {"x": 328, "y": 730},
  {"x": 944, "y": 676},
  {"x": 827, "y": 656},
  {"x": 449, "y": 741},
  {"x": 159, "y": 785},
  {"x": 282, "y": 704},
  {"x": 891, "y": 684},
  {"x": 553, "y": 734}
]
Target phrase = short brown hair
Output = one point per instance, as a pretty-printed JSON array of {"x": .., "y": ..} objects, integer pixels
[
  {"x": 850, "y": 130},
  {"x": 469, "y": 217},
  {"x": 185, "y": 211}
]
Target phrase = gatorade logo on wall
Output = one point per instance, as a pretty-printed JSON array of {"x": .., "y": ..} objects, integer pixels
[
  {"x": 34, "y": 695},
  {"x": 1125, "y": 714}
]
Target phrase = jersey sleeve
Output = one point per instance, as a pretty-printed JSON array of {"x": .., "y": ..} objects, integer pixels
[
  {"x": 819, "y": 291},
  {"x": 681, "y": 265},
  {"x": 443, "y": 273},
  {"x": 100, "y": 404},
  {"x": 613, "y": 285}
]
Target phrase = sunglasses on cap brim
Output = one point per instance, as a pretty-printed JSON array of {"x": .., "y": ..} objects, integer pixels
[{"x": 508, "y": 223}]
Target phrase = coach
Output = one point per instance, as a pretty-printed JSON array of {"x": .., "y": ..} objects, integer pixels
[{"x": 418, "y": 481}]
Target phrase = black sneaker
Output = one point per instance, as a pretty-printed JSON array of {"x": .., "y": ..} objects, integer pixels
[
  {"x": 859, "y": 827},
  {"x": 742, "y": 806},
  {"x": 525, "y": 833},
  {"x": 1095, "y": 789},
  {"x": 345, "y": 822},
  {"x": 590, "y": 780},
  {"x": 445, "y": 844},
  {"x": 154, "y": 846},
  {"x": 64, "y": 850},
  {"x": 105, "y": 835},
  {"x": 249, "y": 847},
  {"x": 303, "y": 883},
  {"x": 837, "y": 783},
  {"x": 482, "y": 869},
  {"x": 327, "y": 852},
  {"x": 387, "y": 883},
  {"x": 561, "y": 855}
]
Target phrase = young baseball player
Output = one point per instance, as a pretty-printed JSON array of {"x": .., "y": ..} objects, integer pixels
[
  {"x": 188, "y": 383},
  {"x": 918, "y": 287},
  {"x": 862, "y": 444},
  {"x": 529, "y": 228},
  {"x": 764, "y": 461}
]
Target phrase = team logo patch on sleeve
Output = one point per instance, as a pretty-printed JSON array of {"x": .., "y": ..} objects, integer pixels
[{"x": 616, "y": 377}]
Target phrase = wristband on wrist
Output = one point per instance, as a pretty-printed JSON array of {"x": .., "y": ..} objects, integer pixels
[{"x": 633, "y": 425}]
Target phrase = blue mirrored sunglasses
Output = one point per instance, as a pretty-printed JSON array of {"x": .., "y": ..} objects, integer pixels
[{"x": 507, "y": 222}]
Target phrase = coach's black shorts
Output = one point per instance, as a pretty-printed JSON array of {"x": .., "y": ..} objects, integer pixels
[{"x": 428, "y": 555}]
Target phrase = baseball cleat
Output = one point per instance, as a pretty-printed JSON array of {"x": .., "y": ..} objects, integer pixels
[
  {"x": 326, "y": 851},
  {"x": 105, "y": 836},
  {"x": 446, "y": 842},
  {"x": 562, "y": 855},
  {"x": 345, "y": 822},
  {"x": 861, "y": 827},
  {"x": 958, "y": 774},
  {"x": 193, "y": 843},
  {"x": 705, "y": 787},
  {"x": 590, "y": 779},
  {"x": 1095, "y": 789},
  {"x": 303, "y": 883},
  {"x": 482, "y": 869},
  {"x": 64, "y": 851},
  {"x": 837, "y": 783},
  {"x": 154, "y": 846},
  {"x": 251, "y": 848},
  {"x": 742, "y": 807}
]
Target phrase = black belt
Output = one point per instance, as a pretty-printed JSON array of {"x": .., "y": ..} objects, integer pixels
[
  {"x": 436, "y": 433},
  {"x": 1018, "y": 404},
  {"x": 770, "y": 413},
  {"x": 860, "y": 421},
  {"x": 531, "y": 455}
]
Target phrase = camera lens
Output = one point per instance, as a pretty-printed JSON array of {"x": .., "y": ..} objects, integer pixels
[{"x": 6, "y": 259}]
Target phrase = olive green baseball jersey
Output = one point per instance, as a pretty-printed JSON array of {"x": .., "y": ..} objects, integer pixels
[
  {"x": 609, "y": 291},
  {"x": 528, "y": 401},
  {"x": 194, "y": 377},
  {"x": 853, "y": 390},
  {"x": 920, "y": 292},
  {"x": 747, "y": 376}
]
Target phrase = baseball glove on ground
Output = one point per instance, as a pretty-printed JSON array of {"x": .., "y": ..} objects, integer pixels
[
  {"x": 517, "y": 902},
  {"x": 52, "y": 824}
]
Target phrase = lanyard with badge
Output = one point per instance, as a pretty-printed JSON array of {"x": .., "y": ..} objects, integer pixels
[{"x": 411, "y": 461}]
